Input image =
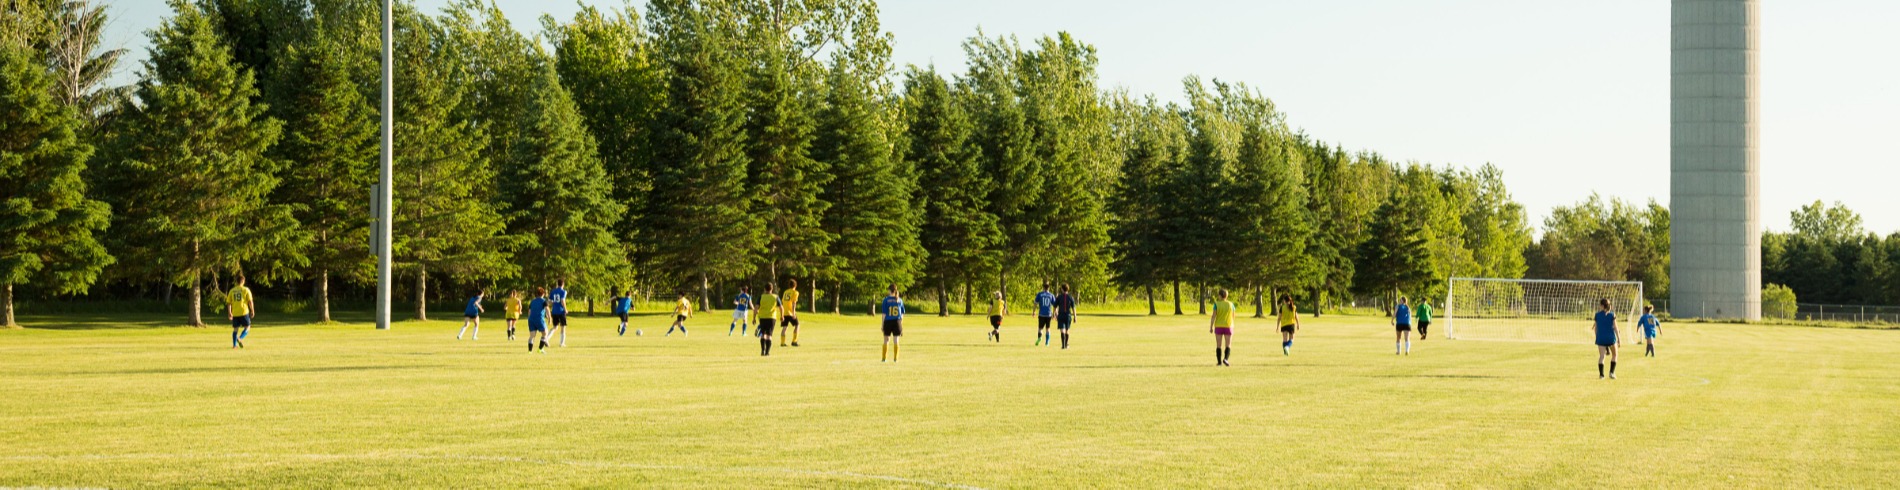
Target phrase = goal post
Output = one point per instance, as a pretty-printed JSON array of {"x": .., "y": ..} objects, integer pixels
[{"x": 1540, "y": 310}]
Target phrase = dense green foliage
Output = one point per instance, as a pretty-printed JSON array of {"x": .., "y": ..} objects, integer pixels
[
  {"x": 707, "y": 144},
  {"x": 47, "y": 223}
]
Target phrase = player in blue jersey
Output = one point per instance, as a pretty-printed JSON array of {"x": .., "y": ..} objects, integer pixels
[
  {"x": 1651, "y": 327},
  {"x": 557, "y": 309},
  {"x": 893, "y": 309},
  {"x": 472, "y": 316},
  {"x": 537, "y": 319},
  {"x": 1402, "y": 323},
  {"x": 741, "y": 308},
  {"x": 1045, "y": 311},
  {"x": 622, "y": 306},
  {"x": 1607, "y": 339}
]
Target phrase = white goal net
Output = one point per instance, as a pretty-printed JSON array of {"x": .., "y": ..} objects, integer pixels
[{"x": 1536, "y": 309}]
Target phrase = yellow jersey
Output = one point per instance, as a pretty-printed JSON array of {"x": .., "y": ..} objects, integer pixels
[
  {"x": 1288, "y": 317},
  {"x": 791, "y": 302},
  {"x": 684, "y": 308},
  {"x": 768, "y": 306},
  {"x": 997, "y": 308},
  {"x": 1223, "y": 314},
  {"x": 513, "y": 308},
  {"x": 240, "y": 301}
]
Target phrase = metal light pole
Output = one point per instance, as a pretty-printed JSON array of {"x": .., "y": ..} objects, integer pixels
[{"x": 386, "y": 172}]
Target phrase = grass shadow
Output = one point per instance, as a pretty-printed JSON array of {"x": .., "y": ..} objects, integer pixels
[{"x": 253, "y": 369}]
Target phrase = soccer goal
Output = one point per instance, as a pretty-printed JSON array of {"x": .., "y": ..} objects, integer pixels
[{"x": 1536, "y": 310}]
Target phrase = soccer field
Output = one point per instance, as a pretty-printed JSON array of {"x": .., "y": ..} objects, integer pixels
[{"x": 1137, "y": 402}]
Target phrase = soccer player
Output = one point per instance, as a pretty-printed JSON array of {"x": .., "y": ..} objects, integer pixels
[
  {"x": 623, "y": 306},
  {"x": 681, "y": 311},
  {"x": 1065, "y": 314},
  {"x": 1222, "y": 326},
  {"x": 557, "y": 309},
  {"x": 1606, "y": 337},
  {"x": 1424, "y": 318},
  {"x": 893, "y": 308},
  {"x": 537, "y": 319},
  {"x": 1402, "y": 319},
  {"x": 768, "y": 319},
  {"x": 1650, "y": 328},
  {"x": 741, "y": 305},
  {"x": 1045, "y": 311},
  {"x": 1289, "y": 323},
  {"x": 997, "y": 310},
  {"x": 513, "y": 308},
  {"x": 790, "y": 328},
  {"x": 241, "y": 308},
  {"x": 472, "y": 315}
]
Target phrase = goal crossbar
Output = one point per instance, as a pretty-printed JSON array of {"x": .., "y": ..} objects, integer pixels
[{"x": 1533, "y": 309}]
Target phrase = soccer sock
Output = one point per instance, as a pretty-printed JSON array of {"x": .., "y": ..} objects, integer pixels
[
  {"x": 1228, "y": 355},
  {"x": 884, "y": 354},
  {"x": 730, "y": 327},
  {"x": 765, "y": 346},
  {"x": 530, "y": 346},
  {"x": 1599, "y": 369},
  {"x": 893, "y": 352},
  {"x": 1408, "y": 347},
  {"x": 1218, "y": 357},
  {"x": 1612, "y": 367},
  {"x": 458, "y": 333},
  {"x": 234, "y": 338},
  {"x": 1065, "y": 340},
  {"x": 1398, "y": 347}
]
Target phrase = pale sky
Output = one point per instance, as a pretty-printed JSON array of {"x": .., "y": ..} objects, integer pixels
[{"x": 1568, "y": 98}]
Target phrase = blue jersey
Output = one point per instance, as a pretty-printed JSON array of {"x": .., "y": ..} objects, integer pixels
[
  {"x": 1403, "y": 315},
  {"x": 1045, "y": 304},
  {"x": 536, "y": 309},
  {"x": 742, "y": 302},
  {"x": 893, "y": 308},
  {"x": 1606, "y": 328},
  {"x": 623, "y": 305},
  {"x": 474, "y": 307},
  {"x": 558, "y": 297},
  {"x": 1649, "y": 324}
]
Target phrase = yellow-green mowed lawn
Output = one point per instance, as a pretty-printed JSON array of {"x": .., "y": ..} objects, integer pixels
[{"x": 107, "y": 401}]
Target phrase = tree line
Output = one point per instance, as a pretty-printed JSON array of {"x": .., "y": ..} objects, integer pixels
[{"x": 693, "y": 146}]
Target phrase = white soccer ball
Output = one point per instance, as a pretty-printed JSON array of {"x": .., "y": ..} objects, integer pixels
[{"x": 638, "y": 332}]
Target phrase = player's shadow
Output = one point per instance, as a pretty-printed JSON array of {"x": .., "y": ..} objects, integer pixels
[{"x": 1439, "y": 376}]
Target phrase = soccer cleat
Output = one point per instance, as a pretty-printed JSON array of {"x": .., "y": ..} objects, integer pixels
[
  {"x": 1286, "y": 350},
  {"x": 794, "y": 344},
  {"x": 1612, "y": 375}
]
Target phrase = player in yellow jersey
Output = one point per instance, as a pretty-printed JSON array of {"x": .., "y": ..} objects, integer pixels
[
  {"x": 513, "y": 310},
  {"x": 1222, "y": 326},
  {"x": 241, "y": 308},
  {"x": 790, "y": 329},
  {"x": 1289, "y": 323},
  {"x": 998, "y": 310},
  {"x": 681, "y": 311},
  {"x": 768, "y": 307}
]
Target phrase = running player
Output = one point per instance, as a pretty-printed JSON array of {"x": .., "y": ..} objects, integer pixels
[
  {"x": 893, "y": 308},
  {"x": 1065, "y": 314},
  {"x": 998, "y": 309},
  {"x": 1607, "y": 338},
  {"x": 741, "y": 305},
  {"x": 1402, "y": 319},
  {"x": 242, "y": 307},
  {"x": 1045, "y": 311},
  {"x": 1424, "y": 318},
  {"x": 537, "y": 319},
  {"x": 623, "y": 306},
  {"x": 1651, "y": 327},
  {"x": 472, "y": 315},
  {"x": 790, "y": 328},
  {"x": 1222, "y": 326},
  {"x": 557, "y": 307},
  {"x": 513, "y": 308},
  {"x": 1289, "y": 323},
  {"x": 681, "y": 311},
  {"x": 768, "y": 319}
]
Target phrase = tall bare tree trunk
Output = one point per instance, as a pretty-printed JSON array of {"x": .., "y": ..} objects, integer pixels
[
  {"x": 323, "y": 295},
  {"x": 705, "y": 300},
  {"x": 1151, "y": 299},
  {"x": 1259, "y": 307},
  {"x": 1201, "y": 296},
  {"x": 197, "y": 302},
  {"x": 422, "y": 292},
  {"x": 837, "y": 301},
  {"x": 943, "y": 299},
  {"x": 9, "y": 315},
  {"x": 967, "y": 293}
]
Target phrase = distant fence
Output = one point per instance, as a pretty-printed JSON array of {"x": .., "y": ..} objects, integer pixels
[{"x": 1847, "y": 313}]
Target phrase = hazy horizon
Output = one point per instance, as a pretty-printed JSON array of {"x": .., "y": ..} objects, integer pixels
[{"x": 1567, "y": 98}]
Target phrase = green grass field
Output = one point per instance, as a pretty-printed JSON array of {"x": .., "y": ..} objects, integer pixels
[{"x": 120, "y": 401}]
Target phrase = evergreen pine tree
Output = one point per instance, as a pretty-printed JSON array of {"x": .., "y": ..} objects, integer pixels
[
  {"x": 557, "y": 192},
  {"x": 329, "y": 153},
  {"x": 607, "y": 65},
  {"x": 871, "y": 198},
  {"x": 1270, "y": 230},
  {"x": 187, "y": 171},
  {"x": 1393, "y": 257},
  {"x": 1154, "y": 142},
  {"x": 47, "y": 222},
  {"x": 786, "y": 184},
  {"x": 957, "y": 232}
]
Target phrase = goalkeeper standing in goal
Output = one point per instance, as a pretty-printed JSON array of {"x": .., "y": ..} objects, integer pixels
[
  {"x": 1402, "y": 323},
  {"x": 1606, "y": 337}
]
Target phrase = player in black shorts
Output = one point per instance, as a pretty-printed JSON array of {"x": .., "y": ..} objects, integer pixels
[{"x": 893, "y": 307}]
